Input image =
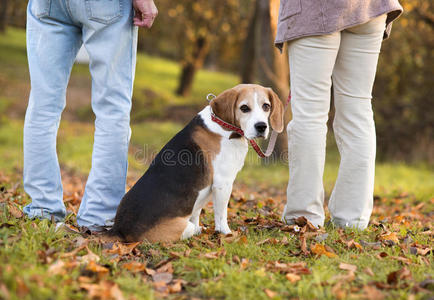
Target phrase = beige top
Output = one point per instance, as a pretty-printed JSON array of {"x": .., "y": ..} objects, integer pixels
[{"x": 298, "y": 18}]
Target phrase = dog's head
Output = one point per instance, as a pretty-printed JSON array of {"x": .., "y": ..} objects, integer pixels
[{"x": 250, "y": 106}]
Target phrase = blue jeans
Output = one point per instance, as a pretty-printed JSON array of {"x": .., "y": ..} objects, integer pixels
[{"x": 56, "y": 29}]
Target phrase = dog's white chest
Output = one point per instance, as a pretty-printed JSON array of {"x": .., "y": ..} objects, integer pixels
[{"x": 230, "y": 159}]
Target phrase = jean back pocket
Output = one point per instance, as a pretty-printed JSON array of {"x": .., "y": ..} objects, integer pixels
[
  {"x": 40, "y": 8},
  {"x": 104, "y": 11}
]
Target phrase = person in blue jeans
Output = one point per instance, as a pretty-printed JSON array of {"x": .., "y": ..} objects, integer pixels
[{"x": 56, "y": 29}]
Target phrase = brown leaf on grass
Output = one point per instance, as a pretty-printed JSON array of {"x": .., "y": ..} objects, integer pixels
[
  {"x": 271, "y": 294},
  {"x": 244, "y": 263},
  {"x": 134, "y": 266},
  {"x": 243, "y": 240},
  {"x": 348, "y": 267},
  {"x": 354, "y": 245},
  {"x": 319, "y": 249},
  {"x": 302, "y": 221},
  {"x": 74, "y": 252},
  {"x": 402, "y": 274},
  {"x": 368, "y": 271},
  {"x": 166, "y": 267},
  {"x": 231, "y": 237},
  {"x": 104, "y": 290},
  {"x": 215, "y": 255},
  {"x": 176, "y": 286},
  {"x": 298, "y": 268},
  {"x": 338, "y": 292},
  {"x": 22, "y": 288},
  {"x": 372, "y": 293},
  {"x": 236, "y": 259},
  {"x": 402, "y": 259},
  {"x": 150, "y": 271},
  {"x": 382, "y": 255},
  {"x": 95, "y": 268},
  {"x": 89, "y": 257},
  {"x": 293, "y": 277},
  {"x": 303, "y": 244},
  {"x": 389, "y": 236},
  {"x": 122, "y": 249},
  {"x": 57, "y": 268},
  {"x": 15, "y": 212}
]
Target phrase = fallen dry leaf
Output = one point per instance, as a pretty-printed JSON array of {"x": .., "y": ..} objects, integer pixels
[
  {"x": 338, "y": 292},
  {"x": 94, "y": 267},
  {"x": 176, "y": 287},
  {"x": 320, "y": 249},
  {"x": 402, "y": 274},
  {"x": 270, "y": 293},
  {"x": 244, "y": 263},
  {"x": 89, "y": 257},
  {"x": 348, "y": 267},
  {"x": 134, "y": 266},
  {"x": 372, "y": 293},
  {"x": 103, "y": 290},
  {"x": 368, "y": 271},
  {"x": 292, "y": 277},
  {"x": 57, "y": 268},
  {"x": 122, "y": 249},
  {"x": 389, "y": 236},
  {"x": 15, "y": 212}
]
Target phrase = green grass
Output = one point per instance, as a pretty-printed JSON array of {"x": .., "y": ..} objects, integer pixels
[{"x": 28, "y": 249}]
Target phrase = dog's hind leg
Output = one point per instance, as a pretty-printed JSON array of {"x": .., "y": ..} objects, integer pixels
[
  {"x": 201, "y": 201},
  {"x": 189, "y": 231}
]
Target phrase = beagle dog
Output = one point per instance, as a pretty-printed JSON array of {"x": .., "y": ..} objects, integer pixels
[{"x": 202, "y": 160}]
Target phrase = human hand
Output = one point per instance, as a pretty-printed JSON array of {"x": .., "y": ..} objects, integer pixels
[{"x": 145, "y": 12}]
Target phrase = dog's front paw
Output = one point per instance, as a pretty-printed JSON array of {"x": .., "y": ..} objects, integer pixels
[
  {"x": 198, "y": 230},
  {"x": 223, "y": 229}
]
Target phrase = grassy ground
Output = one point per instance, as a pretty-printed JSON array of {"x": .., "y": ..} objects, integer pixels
[{"x": 393, "y": 258}]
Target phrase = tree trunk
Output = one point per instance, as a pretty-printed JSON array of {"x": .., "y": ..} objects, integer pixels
[
  {"x": 272, "y": 68},
  {"x": 190, "y": 67},
  {"x": 3, "y": 14},
  {"x": 247, "y": 64}
]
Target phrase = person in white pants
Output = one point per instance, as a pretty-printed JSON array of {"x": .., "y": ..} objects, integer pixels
[{"x": 344, "y": 62}]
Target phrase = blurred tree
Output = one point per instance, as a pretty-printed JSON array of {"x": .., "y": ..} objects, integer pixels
[
  {"x": 404, "y": 88},
  {"x": 199, "y": 26},
  {"x": 3, "y": 14}
]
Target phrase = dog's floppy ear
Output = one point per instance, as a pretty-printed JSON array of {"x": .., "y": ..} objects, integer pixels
[
  {"x": 224, "y": 106},
  {"x": 277, "y": 111}
]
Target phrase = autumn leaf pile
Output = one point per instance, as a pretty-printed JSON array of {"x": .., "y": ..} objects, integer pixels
[{"x": 262, "y": 258}]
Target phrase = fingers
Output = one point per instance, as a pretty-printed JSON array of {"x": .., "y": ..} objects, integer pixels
[
  {"x": 144, "y": 20},
  {"x": 144, "y": 16}
]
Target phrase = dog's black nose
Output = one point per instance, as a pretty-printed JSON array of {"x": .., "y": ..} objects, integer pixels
[{"x": 260, "y": 127}]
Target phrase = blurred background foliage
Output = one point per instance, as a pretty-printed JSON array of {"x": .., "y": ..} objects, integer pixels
[{"x": 201, "y": 46}]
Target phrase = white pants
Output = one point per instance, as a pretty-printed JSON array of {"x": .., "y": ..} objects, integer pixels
[{"x": 348, "y": 60}]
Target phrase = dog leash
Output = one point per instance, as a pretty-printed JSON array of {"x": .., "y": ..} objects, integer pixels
[{"x": 252, "y": 142}]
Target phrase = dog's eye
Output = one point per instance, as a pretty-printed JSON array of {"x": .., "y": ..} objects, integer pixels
[
  {"x": 245, "y": 108},
  {"x": 266, "y": 107}
]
